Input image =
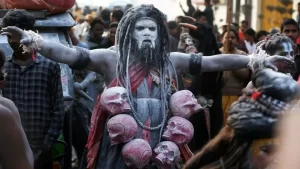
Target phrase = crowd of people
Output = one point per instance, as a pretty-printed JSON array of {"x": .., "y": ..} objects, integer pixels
[{"x": 133, "y": 62}]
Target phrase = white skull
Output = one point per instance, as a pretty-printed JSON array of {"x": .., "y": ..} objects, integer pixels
[
  {"x": 137, "y": 153},
  {"x": 179, "y": 131},
  {"x": 114, "y": 100},
  {"x": 121, "y": 128},
  {"x": 183, "y": 103},
  {"x": 166, "y": 155}
]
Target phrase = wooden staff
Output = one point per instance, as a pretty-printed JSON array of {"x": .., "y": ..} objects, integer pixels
[{"x": 229, "y": 20}]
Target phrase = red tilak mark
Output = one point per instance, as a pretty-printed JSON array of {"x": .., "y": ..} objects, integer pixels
[
  {"x": 146, "y": 133},
  {"x": 256, "y": 95},
  {"x": 298, "y": 80},
  {"x": 33, "y": 55}
]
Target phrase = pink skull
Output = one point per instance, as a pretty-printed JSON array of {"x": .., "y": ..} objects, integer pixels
[
  {"x": 137, "y": 153},
  {"x": 184, "y": 104},
  {"x": 166, "y": 155},
  {"x": 179, "y": 131},
  {"x": 114, "y": 100},
  {"x": 121, "y": 128}
]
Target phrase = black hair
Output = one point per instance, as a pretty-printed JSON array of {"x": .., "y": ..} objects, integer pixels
[
  {"x": 113, "y": 25},
  {"x": 288, "y": 21},
  {"x": 245, "y": 22},
  {"x": 2, "y": 61},
  {"x": 96, "y": 21},
  {"x": 118, "y": 14},
  {"x": 198, "y": 14},
  {"x": 19, "y": 18},
  {"x": 250, "y": 32},
  {"x": 234, "y": 32},
  {"x": 270, "y": 45},
  {"x": 261, "y": 33},
  {"x": 105, "y": 14},
  {"x": 172, "y": 25}
]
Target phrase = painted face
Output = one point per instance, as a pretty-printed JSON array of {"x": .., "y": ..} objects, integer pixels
[
  {"x": 285, "y": 49},
  {"x": 291, "y": 31},
  {"x": 263, "y": 152},
  {"x": 145, "y": 31}
]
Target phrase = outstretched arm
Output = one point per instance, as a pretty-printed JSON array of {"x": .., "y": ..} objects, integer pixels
[
  {"x": 15, "y": 152},
  {"x": 187, "y": 63},
  {"x": 97, "y": 59}
]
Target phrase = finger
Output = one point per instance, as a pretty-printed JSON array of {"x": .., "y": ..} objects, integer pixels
[
  {"x": 189, "y": 26},
  {"x": 270, "y": 65},
  {"x": 25, "y": 41},
  {"x": 191, "y": 19},
  {"x": 282, "y": 59},
  {"x": 6, "y": 34}
]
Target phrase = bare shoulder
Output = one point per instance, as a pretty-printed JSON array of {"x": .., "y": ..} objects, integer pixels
[{"x": 8, "y": 108}]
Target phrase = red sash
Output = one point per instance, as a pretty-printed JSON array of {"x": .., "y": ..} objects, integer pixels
[{"x": 99, "y": 118}]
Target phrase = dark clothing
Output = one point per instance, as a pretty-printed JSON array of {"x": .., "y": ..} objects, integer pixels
[
  {"x": 104, "y": 43},
  {"x": 209, "y": 13},
  {"x": 173, "y": 44},
  {"x": 209, "y": 85},
  {"x": 36, "y": 90}
]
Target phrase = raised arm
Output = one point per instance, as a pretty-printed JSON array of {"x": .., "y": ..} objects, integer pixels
[{"x": 95, "y": 60}]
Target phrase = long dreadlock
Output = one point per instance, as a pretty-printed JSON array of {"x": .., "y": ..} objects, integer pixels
[{"x": 125, "y": 47}]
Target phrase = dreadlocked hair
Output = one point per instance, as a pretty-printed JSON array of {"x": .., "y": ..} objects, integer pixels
[
  {"x": 125, "y": 46},
  {"x": 272, "y": 42}
]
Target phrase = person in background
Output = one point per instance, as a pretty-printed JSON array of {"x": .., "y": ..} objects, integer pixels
[
  {"x": 112, "y": 33},
  {"x": 191, "y": 9},
  {"x": 209, "y": 13},
  {"x": 15, "y": 150},
  {"x": 261, "y": 35},
  {"x": 200, "y": 17},
  {"x": 105, "y": 16},
  {"x": 94, "y": 39},
  {"x": 290, "y": 28},
  {"x": 298, "y": 15},
  {"x": 249, "y": 40},
  {"x": 116, "y": 15},
  {"x": 86, "y": 26},
  {"x": 243, "y": 27},
  {"x": 174, "y": 35},
  {"x": 233, "y": 81},
  {"x": 33, "y": 83}
]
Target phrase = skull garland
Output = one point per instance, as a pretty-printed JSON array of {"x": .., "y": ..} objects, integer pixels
[
  {"x": 121, "y": 128},
  {"x": 184, "y": 104},
  {"x": 114, "y": 100},
  {"x": 166, "y": 155},
  {"x": 137, "y": 153},
  {"x": 179, "y": 130}
]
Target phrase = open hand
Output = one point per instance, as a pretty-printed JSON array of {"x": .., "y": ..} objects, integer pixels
[{"x": 16, "y": 35}]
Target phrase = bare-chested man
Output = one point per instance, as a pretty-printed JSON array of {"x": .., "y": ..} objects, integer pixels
[
  {"x": 144, "y": 66},
  {"x": 15, "y": 152}
]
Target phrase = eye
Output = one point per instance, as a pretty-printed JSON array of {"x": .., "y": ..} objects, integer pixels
[
  {"x": 152, "y": 28},
  {"x": 171, "y": 155},
  {"x": 163, "y": 147},
  {"x": 124, "y": 96},
  {"x": 139, "y": 28}
]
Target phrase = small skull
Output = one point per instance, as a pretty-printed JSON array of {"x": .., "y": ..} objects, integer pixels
[
  {"x": 121, "y": 128},
  {"x": 179, "y": 130},
  {"x": 137, "y": 153},
  {"x": 184, "y": 104},
  {"x": 114, "y": 100},
  {"x": 166, "y": 155}
]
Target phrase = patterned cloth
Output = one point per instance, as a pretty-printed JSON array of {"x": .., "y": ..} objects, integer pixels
[{"x": 37, "y": 92}]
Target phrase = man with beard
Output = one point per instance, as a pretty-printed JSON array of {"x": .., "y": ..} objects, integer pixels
[
  {"x": 15, "y": 151},
  {"x": 144, "y": 66}
]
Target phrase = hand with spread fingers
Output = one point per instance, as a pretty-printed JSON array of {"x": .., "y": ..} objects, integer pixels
[{"x": 16, "y": 34}]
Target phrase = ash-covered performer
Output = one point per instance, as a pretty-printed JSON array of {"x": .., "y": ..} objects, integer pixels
[
  {"x": 248, "y": 141},
  {"x": 15, "y": 152},
  {"x": 144, "y": 66}
]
